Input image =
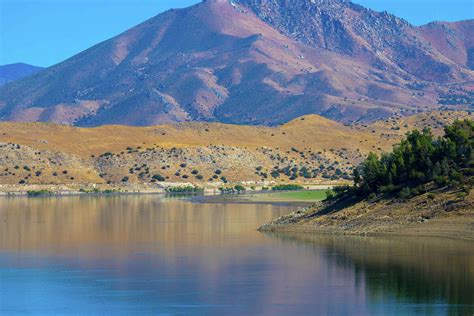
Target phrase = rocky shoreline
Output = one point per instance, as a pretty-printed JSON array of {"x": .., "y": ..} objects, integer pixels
[{"x": 444, "y": 216}]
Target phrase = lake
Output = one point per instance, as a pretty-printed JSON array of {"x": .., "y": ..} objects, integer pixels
[{"x": 150, "y": 255}]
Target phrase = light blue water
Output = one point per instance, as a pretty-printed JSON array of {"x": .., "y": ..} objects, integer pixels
[{"x": 143, "y": 255}]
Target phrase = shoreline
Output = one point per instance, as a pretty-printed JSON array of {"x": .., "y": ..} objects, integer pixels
[
  {"x": 7, "y": 190},
  {"x": 408, "y": 232},
  {"x": 444, "y": 217}
]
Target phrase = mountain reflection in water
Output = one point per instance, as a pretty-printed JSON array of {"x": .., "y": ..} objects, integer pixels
[{"x": 150, "y": 255}]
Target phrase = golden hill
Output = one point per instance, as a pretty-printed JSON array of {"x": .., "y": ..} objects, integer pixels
[{"x": 310, "y": 149}]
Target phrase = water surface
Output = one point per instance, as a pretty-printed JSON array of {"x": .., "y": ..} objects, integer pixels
[{"x": 149, "y": 255}]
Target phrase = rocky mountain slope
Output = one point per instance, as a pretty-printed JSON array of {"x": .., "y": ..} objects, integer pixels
[
  {"x": 12, "y": 72},
  {"x": 254, "y": 62}
]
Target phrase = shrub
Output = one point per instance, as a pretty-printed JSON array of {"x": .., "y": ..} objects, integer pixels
[
  {"x": 125, "y": 179},
  {"x": 405, "y": 193},
  {"x": 275, "y": 174},
  {"x": 185, "y": 189},
  {"x": 239, "y": 188},
  {"x": 330, "y": 195},
  {"x": 372, "y": 196},
  {"x": 158, "y": 177},
  {"x": 38, "y": 192},
  {"x": 287, "y": 187}
]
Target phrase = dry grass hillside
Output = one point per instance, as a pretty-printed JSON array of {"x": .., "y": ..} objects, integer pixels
[{"x": 310, "y": 149}]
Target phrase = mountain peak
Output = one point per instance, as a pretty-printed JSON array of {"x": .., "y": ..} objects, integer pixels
[{"x": 253, "y": 62}]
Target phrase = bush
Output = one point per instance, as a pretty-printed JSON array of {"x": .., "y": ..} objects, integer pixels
[
  {"x": 287, "y": 187},
  {"x": 330, "y": 195},
  {"x": 226, "y": 190},
  {"x": 185, "y": 189},
  {"x": 405, "y": 193},
  {"x": 387, "y": 189},
  {"x": 275, "y": 174},
  {"x": 239, "y": 188},
  {"x": 158, "y": 177},
  {"x": 441, "y": 180},
  {"x": 372, "y": 196},
  {"x": 38, "y": 192}
]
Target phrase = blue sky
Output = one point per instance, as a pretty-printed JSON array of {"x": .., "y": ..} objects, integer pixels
[{"x": 45, "y": 32}]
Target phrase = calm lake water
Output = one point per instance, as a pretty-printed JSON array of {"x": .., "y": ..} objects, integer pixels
[{"x": 150, "y": 255}]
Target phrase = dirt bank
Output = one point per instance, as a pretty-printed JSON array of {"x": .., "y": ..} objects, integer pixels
[{"x": 443, "y": 214}]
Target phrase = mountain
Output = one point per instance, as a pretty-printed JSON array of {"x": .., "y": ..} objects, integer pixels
[
  {"x": 453, "y": 40},
  {"x": 12, "y": 72},
  {"x": 255, "y": 62}
]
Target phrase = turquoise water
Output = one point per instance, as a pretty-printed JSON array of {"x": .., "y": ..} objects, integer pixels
[{"x": 145, "y": 255}]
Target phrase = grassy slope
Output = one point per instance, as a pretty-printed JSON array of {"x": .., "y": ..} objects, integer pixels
[
  {"x": 314, "y": 131},
  {"x": 242, "y": 148},
  {"x": 296, "y": 196}
]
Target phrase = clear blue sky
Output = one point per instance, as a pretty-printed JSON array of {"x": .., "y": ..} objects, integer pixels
[{"x": 44, "y": 32}]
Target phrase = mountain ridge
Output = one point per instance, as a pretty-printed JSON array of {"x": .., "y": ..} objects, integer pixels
[
  {"x": 221, "y": 61},
  {"x": 16, "y": 71}
]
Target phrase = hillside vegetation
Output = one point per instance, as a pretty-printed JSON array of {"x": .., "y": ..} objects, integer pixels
[
  {"x": 310, "y": 149},
  {"x": 424, "y": 179},
  {"x": 419, "y": 162}
]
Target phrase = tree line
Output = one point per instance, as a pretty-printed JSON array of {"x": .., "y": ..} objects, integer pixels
[{"x": 418, "y": 162}]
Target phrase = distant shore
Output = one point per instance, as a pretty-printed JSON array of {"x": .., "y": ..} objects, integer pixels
[{"x": 106, "y": 189}]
